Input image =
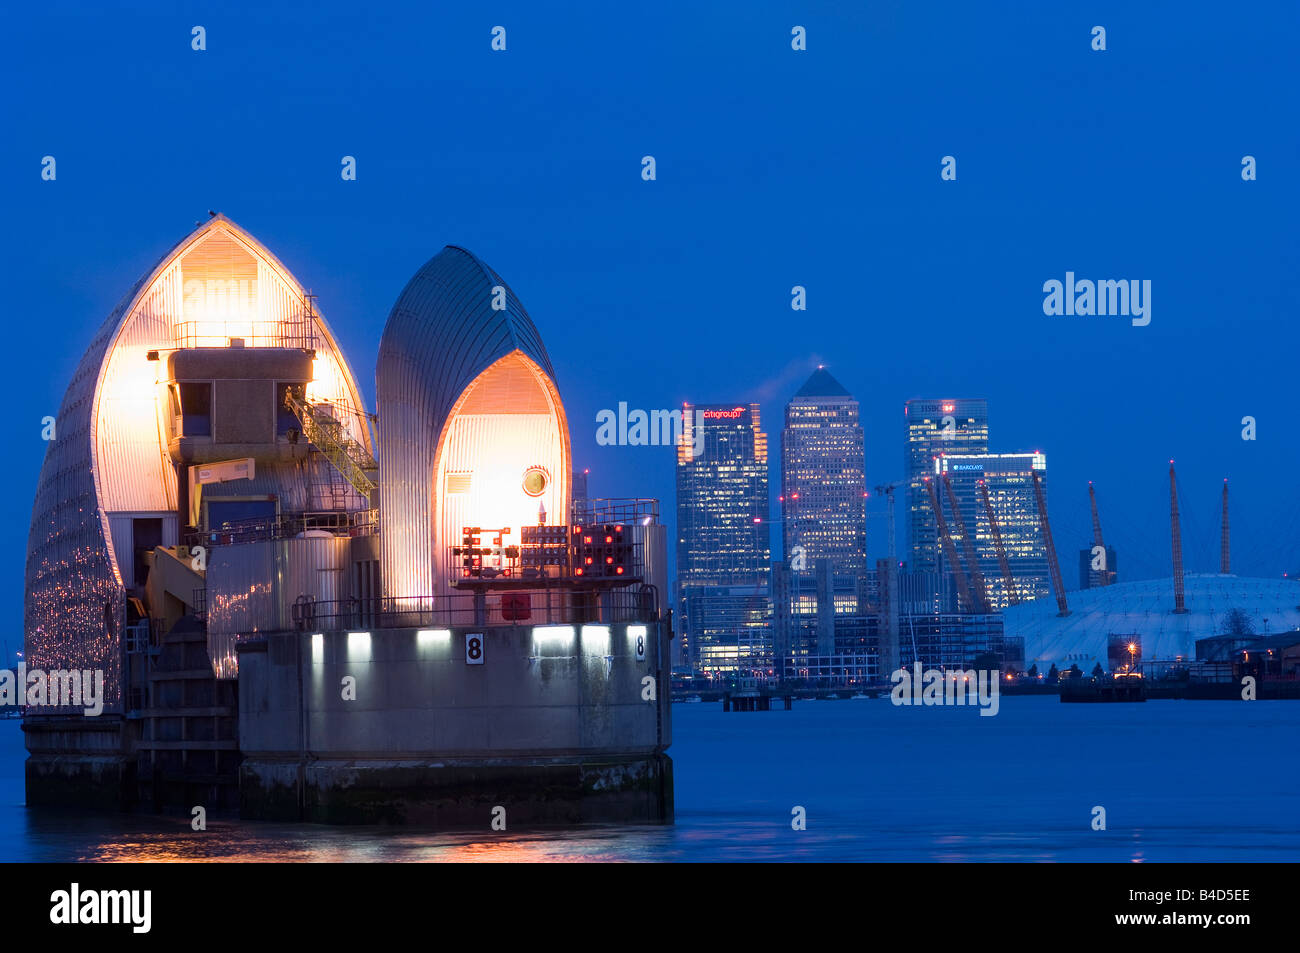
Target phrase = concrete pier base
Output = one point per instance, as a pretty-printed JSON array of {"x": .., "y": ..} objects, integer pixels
[
  {"x": 558, "y": 725},
  {"x": 79, "y": 762},
  {"x": 82, "y": 781},
  {"x": 460, "y": 795}
]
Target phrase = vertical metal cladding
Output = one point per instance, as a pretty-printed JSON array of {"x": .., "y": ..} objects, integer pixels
[
  {"x": 252, "y": 588},
  {"x": 441, "y": 334},
  {"x": 107, "y": 463},
  {"x": 652, "y": 542}
]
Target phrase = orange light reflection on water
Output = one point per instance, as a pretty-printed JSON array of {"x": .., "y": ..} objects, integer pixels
[{"x": 258, "y": 843}]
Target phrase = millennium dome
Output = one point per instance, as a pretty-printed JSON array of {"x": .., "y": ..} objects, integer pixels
[{"x": 1142, "y": 612}]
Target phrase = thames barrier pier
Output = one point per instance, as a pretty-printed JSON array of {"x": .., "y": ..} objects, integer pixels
[
  {"x": 551, "y": 725},
  {"x": 300, "y": 619}
]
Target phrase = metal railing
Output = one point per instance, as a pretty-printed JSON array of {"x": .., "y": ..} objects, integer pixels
[
  {"x": 295, "y": 333},
  {"x": 520, "y": 607},
  {"x": 335, "y": 522},
  {"x": 630, "y": 511},
  {"x": 138, "y": 638}
]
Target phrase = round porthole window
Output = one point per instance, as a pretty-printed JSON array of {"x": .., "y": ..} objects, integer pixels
[{"x": 536, "y": 480}]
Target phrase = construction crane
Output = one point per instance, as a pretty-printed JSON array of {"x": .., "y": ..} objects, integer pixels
[
  {"x": 1107, "y": 574},
  {"x": 949, "y": 550},
  {"x": 968, "y": 547},
  {"x": 1008, "y": 580},
  {"x": 326, "y": 433},
  {"x": 888, "y": 492},
  {"x": 1176, "y": 540},
  {"x": 1224, "y": 562},
  {"x": 1053, "y": 566}
]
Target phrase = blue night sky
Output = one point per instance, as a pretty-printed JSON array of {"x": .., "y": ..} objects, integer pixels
[{"x": 775, "y": 168}]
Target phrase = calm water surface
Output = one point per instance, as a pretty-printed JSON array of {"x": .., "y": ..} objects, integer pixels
[{"x": 1179, "y": 781}]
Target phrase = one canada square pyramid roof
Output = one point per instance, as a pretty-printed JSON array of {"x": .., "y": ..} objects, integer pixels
[{"x": 822, "y": 384}]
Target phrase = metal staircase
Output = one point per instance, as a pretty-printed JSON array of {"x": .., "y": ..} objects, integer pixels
[{"x": 327, "y": 434}]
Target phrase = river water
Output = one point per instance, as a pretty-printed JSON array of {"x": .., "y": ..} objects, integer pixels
[{"x": 1179, "y": 781}]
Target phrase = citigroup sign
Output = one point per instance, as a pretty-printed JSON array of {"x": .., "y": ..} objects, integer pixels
[{"x": 724, "y": 414}]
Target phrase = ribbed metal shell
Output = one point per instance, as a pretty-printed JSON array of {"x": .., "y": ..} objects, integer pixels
[
  {"x": 107, "y": 456},
  {"x": 441, "y": 335},
  {"x": 74, "y": 608}
]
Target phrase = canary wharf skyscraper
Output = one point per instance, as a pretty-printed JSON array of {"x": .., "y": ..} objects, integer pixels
[
  {"x": 933, "y": 428},
  {"x": 1006, "y": 482},
  {"x": 723, "y": 555},
  {"x": 823, "y": 481}
]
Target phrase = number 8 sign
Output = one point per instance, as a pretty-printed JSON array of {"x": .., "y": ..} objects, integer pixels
[{"x": 473, "y": 648}]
